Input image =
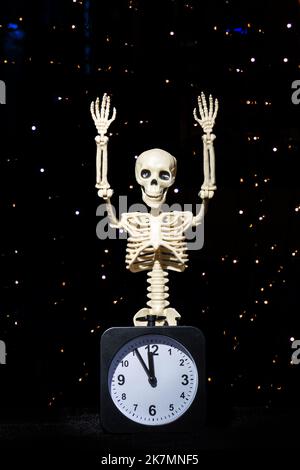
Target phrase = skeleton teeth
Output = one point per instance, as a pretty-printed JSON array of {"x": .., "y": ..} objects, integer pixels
[{"x": 154, "y": 197}]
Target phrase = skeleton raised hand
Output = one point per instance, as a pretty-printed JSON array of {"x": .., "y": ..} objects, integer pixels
[
  {"x": 207, "y": 121},
  {"x": 207, "y": 115},
  {"x": 100, "y": 115}
]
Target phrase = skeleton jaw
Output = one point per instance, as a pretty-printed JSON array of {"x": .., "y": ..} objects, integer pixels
[{"x": 155, "y": 200}]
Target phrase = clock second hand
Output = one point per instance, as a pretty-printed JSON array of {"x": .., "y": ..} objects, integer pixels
[{"x": 150, "y": 372}]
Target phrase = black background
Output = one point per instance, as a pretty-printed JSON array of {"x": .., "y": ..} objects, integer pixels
[{"x": 52, "y": 319}]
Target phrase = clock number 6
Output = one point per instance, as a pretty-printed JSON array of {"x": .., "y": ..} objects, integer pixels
[{"x": 152, "y": 410}]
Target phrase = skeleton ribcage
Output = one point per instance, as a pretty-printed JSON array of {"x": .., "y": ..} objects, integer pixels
[{"x": 158, "y": 238}]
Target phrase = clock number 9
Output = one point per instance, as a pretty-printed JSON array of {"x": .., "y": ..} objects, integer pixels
[
  {"x": 121, "y": 379},
  {"x": 152, "y": 410}
]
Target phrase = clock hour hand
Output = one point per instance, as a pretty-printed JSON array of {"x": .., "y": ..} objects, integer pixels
[{"x": 152, "y": 380}]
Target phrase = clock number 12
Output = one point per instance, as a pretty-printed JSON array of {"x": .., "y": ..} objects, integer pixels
[{"x": 152, "y": 348}]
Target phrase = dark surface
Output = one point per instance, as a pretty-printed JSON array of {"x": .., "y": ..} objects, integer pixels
[{"x": 250, "y": 428}]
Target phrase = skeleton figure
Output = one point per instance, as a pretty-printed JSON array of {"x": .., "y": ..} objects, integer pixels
[{"x": 156, "y": 240}]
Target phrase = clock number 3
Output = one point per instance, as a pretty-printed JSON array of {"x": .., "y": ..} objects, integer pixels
[{"x": 185, "y": 379}]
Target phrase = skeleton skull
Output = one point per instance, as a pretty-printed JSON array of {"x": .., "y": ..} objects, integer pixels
[{"x": 155, "y": 172}]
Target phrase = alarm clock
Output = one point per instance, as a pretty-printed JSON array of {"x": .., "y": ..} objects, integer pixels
[{"x": 152, "y": 379}]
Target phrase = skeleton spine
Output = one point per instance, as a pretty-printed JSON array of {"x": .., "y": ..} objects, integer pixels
[{"x": 158, "y": 290}]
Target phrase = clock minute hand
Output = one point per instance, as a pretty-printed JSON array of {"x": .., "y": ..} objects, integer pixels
[
  {"x": 150, "y": 378},
  {"x": 138, "y": 355}
]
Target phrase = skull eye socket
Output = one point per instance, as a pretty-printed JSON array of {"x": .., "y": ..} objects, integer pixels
[
  {"x": 164, "y": 175},
  {"x": 145, "y": 174}
]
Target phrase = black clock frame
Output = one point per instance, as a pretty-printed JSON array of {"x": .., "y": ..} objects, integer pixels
[{"x": 113, "y": 339}]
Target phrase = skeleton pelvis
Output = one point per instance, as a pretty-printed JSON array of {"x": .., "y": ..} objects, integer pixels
[{"x": 169, "y": 316}]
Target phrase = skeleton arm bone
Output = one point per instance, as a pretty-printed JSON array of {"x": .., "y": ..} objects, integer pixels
[
  {"x": 101, "y": 165},
  {"x": 209, "y": 182},
  {"x": 102, "y": 122},
  {"x": 207, "y": 121},
  {"x": 198, "y": 218},
  {"x": 105, "y": 192},
  {"x": 113, "y": 221}
]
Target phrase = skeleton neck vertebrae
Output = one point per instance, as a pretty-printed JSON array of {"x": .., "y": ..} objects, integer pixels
[{"x": 157, "y": 241}]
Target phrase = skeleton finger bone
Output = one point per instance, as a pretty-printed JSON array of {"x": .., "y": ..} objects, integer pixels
[
  {"x": 103, "y": 106},
  {"x": 211, "y": 106},
  {"x": 216, "y": 109},
  {"x": 97, "y": 107},
  {"x": 204, "y": 104},
  {"x": 201, "y": 109}
]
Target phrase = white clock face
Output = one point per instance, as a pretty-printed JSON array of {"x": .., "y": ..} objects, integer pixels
[{"x": 153, "y": 380}]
